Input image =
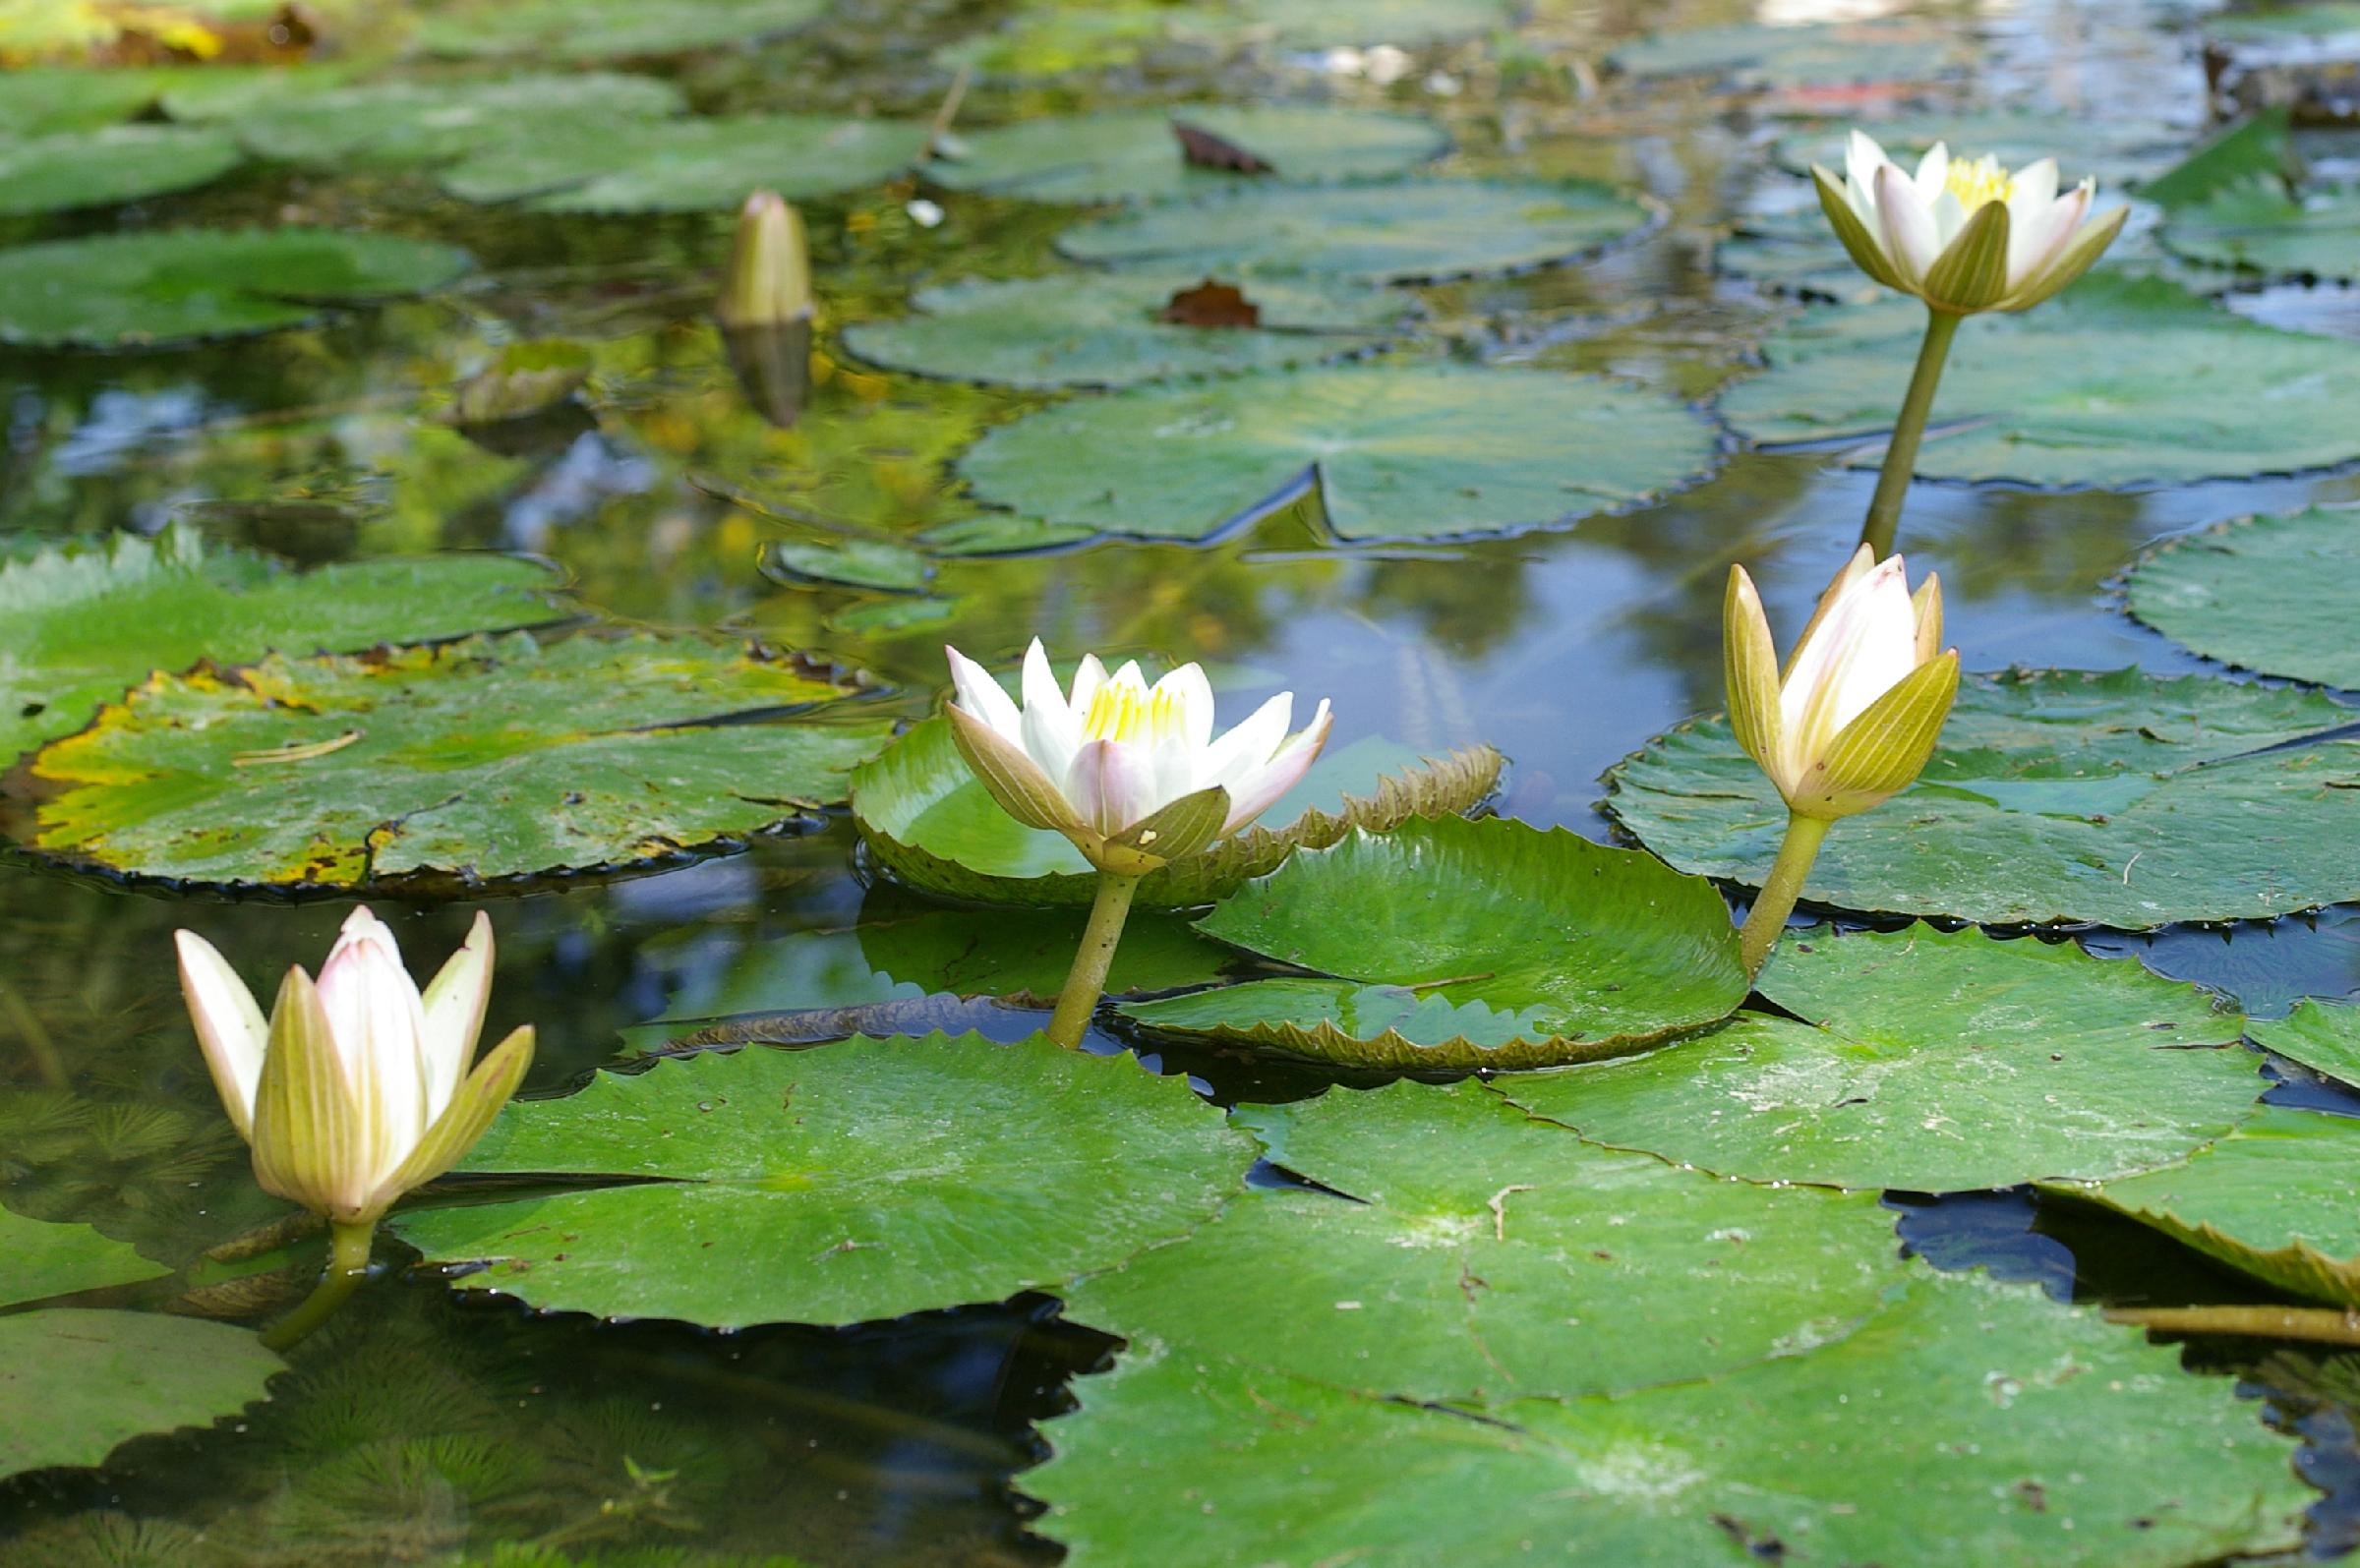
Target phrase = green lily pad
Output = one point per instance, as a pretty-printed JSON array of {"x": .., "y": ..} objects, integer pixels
[
  {"x": 2322, "y": 19},
  {"x": 45, "y": 1260},
  {"x": 887, "y": 617},
  {"x": 690, "y": 165},
  {"x": 878, "y": 565},
  {"x": 2258, "y": 591},
  {"x": 43, "y": 99},
  {"x": 1814, "y": 55},
  {"x": 1405, "y": 24},
  {"x": 1134, "y": 155},
  {"x": 1062, "y": 37},
  {"x": 2115, "y": 149},
  {"x": 87, "y": 622},
  {"x": 2324, "y": 1036},
  {"x": 2117, "y": 799},
  {"x": 103, "y": 167},
  {"x": 2261, "y": 144},
  {"x": 1931, "y": 1062},
  {"x": 1795, "y": 252},
  {"x": 2118, "y": 382},
  {"x": 1393, "y": 231},
  {"x": 391, "y": 123},
  {"x": 2257, "y": 227},
  {"x": 1472, "y": 944},
  {"x": 1970, "y": 1423},
  {"x": 2278, "y": 1198},
  {"x": 76, "y": 1382},
  {"x": 927, "y": 820},
  {"x": 1102, "y": 331},
  {"x": 1480, "y": 1255},
  {"x": 182, "y": 285},
  {"x": 832, "y": 1185},
  {"x": 1398, "y": 451},
  {"x": 605, "y": 29},
  {"x": 438, "y": 770}
]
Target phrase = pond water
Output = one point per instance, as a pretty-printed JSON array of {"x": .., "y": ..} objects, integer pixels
[{"x": 428, "y": 1425}]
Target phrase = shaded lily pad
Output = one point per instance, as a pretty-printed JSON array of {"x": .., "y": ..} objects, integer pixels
[
  {"x": 1107, "y": 330},
  {"x": 87, "y": 622},
  {"x": 2323, "y": 1037},
  {"x": 438, "y": 770},
  {"x": 180, "y": 285},
  {"x": 118, "y": 163},
  {"x": 76, "y": 1382},
  {"x": 1927, "y": 1061},
  {"x": 2257, "y": 227},
  {"x": 1132, "y": 154},
  {"x": 2117, "y": 799},
  {"x": 386, "y": 122},
  {"x": 2118, "y": 382},
  {"x": 878, "y": 565},
  {"x": 46, "y": 1259},
  {"x": 1387, "y": 232},
  {"x": 1481, "y": 1254},
  {"x": 604, "y": 29},
  {"x": 690, "y": 165},
  {"x": 2261, "y": 593},
  {"x": 2057, "y": 1439},
  {"x": 1470, "y": 944},
  {"x": 1394, "y": 451},
  {"x": 929, "y": 822},
  {"x": 850, "y": 1181},
  {"x": 1813, "y": 55}
]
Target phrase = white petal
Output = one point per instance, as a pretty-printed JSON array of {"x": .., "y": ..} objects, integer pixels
[
  {"x": 1950, "y": 216},
  {"x": 229, "y": 1026},
  {"x": 1191, "y": 695},
  {"x": 1248, "y": 744},
  {"x": 1933, "y": 173},
  {"x": 1262, "y": 788},
  {"x": 1110, "y": 784},
  {"x": 2034, "y": 249},
  {"x": 2034, "y": 188},
  {"x": 1089, "y": 676},
  {"x": 1909, "y": 228},
  {"x": 1050, "y": 730},
  {"x": 377, "y": 1022},
  {"x": 1865, "y": 643},
  {"x": 455, "y": 1005},
  {"x": 1862, "y": 157},
  {"x": 981, "y": 695}
]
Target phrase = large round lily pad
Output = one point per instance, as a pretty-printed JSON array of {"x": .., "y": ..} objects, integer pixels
[
  {"x": 46, "y": 1259},
  {"x": 2118, "y": 382},
  {"x": 2256, "y": 226},
  {"x": 2273, "y": 594},
  {"x": 75, "y": 1382},
  {"x": 2117, "y": 799},
  {"x": 690, "y": 165},
  {"x": 1110, "y": 330},
  {"x": 1813, "y": 55},
  {"x": 1397, "y": 451},
  {"x": 1471, "y": 944},
  {"x": 117, "y": 163},
  {"x": 850, "y": 1181},
  {"x": 1135, "y": 154},
  {"x": 1931, "y": 1062},
  {"x": 384, "y": 123},
  {"x": 1391, "y": 232},
  {"x": 178, "y": 285},
  {"x": 1970, "y": 1423},
  {"x": 924, "y": 817},
  {"x": 604, "y": 29},
  {"x": 441, "y": 768},
  {"x": 1479, "y": 1255}
]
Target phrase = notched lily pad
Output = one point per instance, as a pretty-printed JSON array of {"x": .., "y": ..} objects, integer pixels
[
  {"x": 2324, "y": 1036},
  {"x": 2269, "y": 594},
  {"x": 103, "y": 167},
  {"x": 690, "y": 165}
]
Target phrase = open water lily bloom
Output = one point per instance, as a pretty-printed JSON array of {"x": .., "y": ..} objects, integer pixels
[{"x": 1964, "y": 235}]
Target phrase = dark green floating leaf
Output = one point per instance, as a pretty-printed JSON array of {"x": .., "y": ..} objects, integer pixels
[
  {"x": 392, "y": 123},
  {"x": 1470, "y": 944},
  {"x": 2257, "y": 227},
  {"x": 2259, "y": 145},
  {"x": 180, "y": 285},
  {"x": 437, "y": 770},
  {"x": 690, "y": 165},
  {"x": 851, "y": 1182},
  {"x": 1931, "y": 1062},
  {"x": 1398, "y": 451},
  {"x": 927, "y": 820},
  {"x": 878, "y": 565},
  {"x": 605, "y": 29},
  {"x": 2287, "y": 23},
  {"x": 2115, "y": 799},
  {"x": 103, "y": 167},
  {"x": 76, "y": 1382},
  {"x": 2271, "y": 593},
  {"x": 41, "y": 99},
  {"x": 1818, "y": 55},
  {"x": 46, "y": 1260},
  {"x": 2324, "y": 1036}
]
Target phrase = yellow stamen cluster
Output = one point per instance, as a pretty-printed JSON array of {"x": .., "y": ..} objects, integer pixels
[
  {"x": 1977, "y": 182},
  {"x": 1123, "y": 711}
]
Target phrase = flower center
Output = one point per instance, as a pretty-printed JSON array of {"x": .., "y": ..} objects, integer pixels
[
  {"x": 1122, "y": 711},
  {"x": 1979, "y": 182}
]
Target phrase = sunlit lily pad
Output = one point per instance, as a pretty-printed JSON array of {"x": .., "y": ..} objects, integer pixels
[
  {"x": 384, "y": 123},
  {"x": 2271, "y": 593},
  {"x": 929, "y": 822},
  {"x": 43, "y": 99},
  {"x": 1927, "y": 1061},
  {"x": 45, "y": 1260},
  {"x": 2257, "y": 227},
  {"x": 1471, "y": 944},
  {"x": 438, "y": 770},
  {"x": 2116, "y": 382},
  {"x": 879, "y": 565},
  {"x": 99, "y": 168},
  {"x": 690, "y": 165},
  {"x": 1134, "y": 155},
  {"x": 1392, "y": 451},
  {"x": 176, "y": 285},
  {"x": 849, "y": 1182},
  {"x": 1391, "y": 232},
  {"x": 1813, "y": 55},
  {"x": 604, "y": 29},
  {"x": 1107, "y": 330},
  {"x": 76, "y": 1381},
  {"x": 2324, "y": 1036},
  {"x": 2116, "y": 799}
]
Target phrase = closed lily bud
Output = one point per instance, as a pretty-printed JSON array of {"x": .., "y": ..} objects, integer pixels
[
  {"x": 1855, "y": 716},
  {"x": 358, "y": 1088},
  {"x": 1964, "y": 235},
  {"x": 769, "y": 283},
  {"x": 1132, "y": 774}
]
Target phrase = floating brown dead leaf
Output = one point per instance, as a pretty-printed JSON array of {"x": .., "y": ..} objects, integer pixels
[
  {"x": 1205, "y": 151},
  {"x": 1211, "y": 303}
]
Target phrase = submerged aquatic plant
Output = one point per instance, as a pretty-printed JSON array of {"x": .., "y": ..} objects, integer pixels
[{"x": 1132, "y": 774}]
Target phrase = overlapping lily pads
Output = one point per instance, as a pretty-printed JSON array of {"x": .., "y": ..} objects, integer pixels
[
  {"x": 2324, "y": 1036},
  {"x": 1929, "y": 1062},
  {"x": 850, "y": 1181},
  {"x": 1472, "y": 944},
  {"x": 690, "y": 165},
  {"x": 442, "y": 769},
  {"x": 1392, "y": 451},
  {"x": 2259, "y": 592},
  {"x": 2117, "y": 799},
  {"x": 929, "y": 822},
  {"x": 2257, "y": 227},
  {"x": 2116, "y": 382},
  {"x": 392, "y": 123},
  {"x": 102, "y": 167},
  {"x": 605, "y": 29}
]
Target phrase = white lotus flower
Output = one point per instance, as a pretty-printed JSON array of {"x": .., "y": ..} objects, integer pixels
[
  {"x": 1132, "y": 773},
  {"x": 1863, "y": 698},
  {"x": 358, "y": 1089},
  {"x": 1964, "y": 235}
]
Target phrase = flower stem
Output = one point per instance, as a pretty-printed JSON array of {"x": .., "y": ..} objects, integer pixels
[
  {"x": 1086, "y": 981},
  {"x": 1776, "y": 900},
  {"x": 1901, "y": 452},
  {"x": 347, "y": 1266}
]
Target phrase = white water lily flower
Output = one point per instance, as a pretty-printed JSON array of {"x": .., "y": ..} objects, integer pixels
[
  {"x": 1855, "y": 715},
  {"x": 356, "y": 1090},
  {"x": 1964, "y": 235},
  {"x": 1131, "y": 773}
]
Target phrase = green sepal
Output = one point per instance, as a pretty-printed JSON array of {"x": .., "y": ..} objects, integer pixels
[
  {"x": 1170, "y": 833},
  {"x": 1750, "y": 669},
  {"x": 1972, "y": 272},
  {"x": 310, "y": 1128},
  {"x": 1861, "y": 245},
  {"x": 1884, "y": 750},
  {"x": 1014, "y": 778},
  {"x": 471, "y": 1110},
  {"x": 2081, "y": 253}
]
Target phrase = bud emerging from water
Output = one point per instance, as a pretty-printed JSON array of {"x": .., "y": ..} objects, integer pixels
[{"x": 769, "y": 282}]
